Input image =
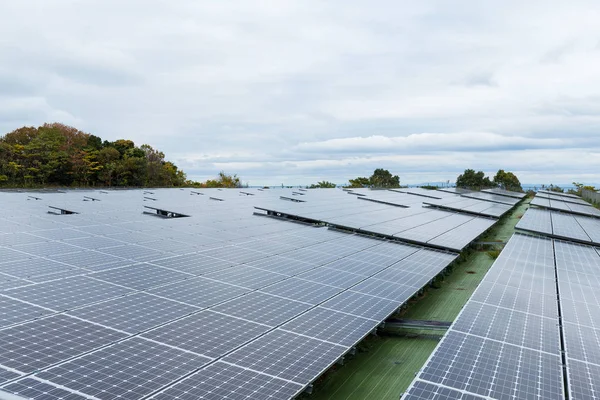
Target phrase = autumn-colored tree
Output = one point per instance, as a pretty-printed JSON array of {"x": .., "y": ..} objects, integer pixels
[{"x": 58, "y": 154}]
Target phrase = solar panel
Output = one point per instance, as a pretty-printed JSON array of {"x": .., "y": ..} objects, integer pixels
[
  {"x": 207, "y": 333},
  {"x": 140, "y": 276},
  {"x": 282, "y": 265},
  {"x": 129, "y": 287},
  {"x": 67, "y": 293},
  {"x": 288, "y": 356},
  {"x": 228, "y": 381},
  {"x": 361, "y": 305},
  {"x": 331, "y": 326},
  {"x": 31, "y": 388},
  {"x": 246, "y": 276},
  {"x": 14, "y": 311},
  {"x": 38, "y": 344},
  {"x": 91, "y": 260},
  {"x": 133, "y": 368},
  {"x": 199, "y": 292},
  {"x": 506, "y": 341},
  {"x": 385, "y": 289},
  {"x": 35, "y": 267},
  {"x": 134, "y": 313},
  {"x": 429, "y": 391},
  {"x": 494, "y": 369},
  {"x": 7, "y": 375},
  {"x": 331, "y": 277},
  {"x": 302, "y": 290},
  {"x": 262, "y": 308}
]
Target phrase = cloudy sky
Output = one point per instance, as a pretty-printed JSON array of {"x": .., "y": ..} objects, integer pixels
[{"x": 292, "y": 92}]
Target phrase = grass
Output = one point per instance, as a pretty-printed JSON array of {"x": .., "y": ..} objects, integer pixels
[{"x": 387, "y": 364}]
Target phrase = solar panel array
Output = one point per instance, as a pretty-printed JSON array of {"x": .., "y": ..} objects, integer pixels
[
  {"x": 494, "y": 198},
  {"x": 502, "y": 192},
  {"x": 532, "y": 327},
  {"x": 559, "y": 225},
  {"x": 572, "y": 208},
  {"x": 471, "y": 206},
  {"x": 394, "y": 215},
  {"x": 506, "y": 341},
  {"x": 574, "y": 200},
  {"x": 111, "y": 303}
]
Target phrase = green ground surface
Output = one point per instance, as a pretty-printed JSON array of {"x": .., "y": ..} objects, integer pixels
[{"x": 387, "y": 364}]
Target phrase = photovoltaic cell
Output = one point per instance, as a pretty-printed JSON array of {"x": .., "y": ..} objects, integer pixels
[
  {"x": 262, "y": 308},
  {"x": 195, "y": 263},
  {"x": 67, "y": 293},
  {"x": 7, "y": 375},
  {"x": 140, "y": 276},
  {"x": 225, "y": 381},
  {"x": 332, "y": 326},
  {"x": 35, "y": 389},
  {"x": 429, "y": 391},
  {"x": 288, "y": 356},
  {"x": 362, "y": 305},
  {"x": 494, "y": 369},
  {"x": 13, "y": 311},
  {"x": 134, "y": 313},
  {"x": 132, "y": 369},
  {"x": 199, "y": 292},
  {"x": 332, "y": 277},
  {"x": 246, "y": 276},
  {"x": 38, "y": 344},
  {"x": 302, "y": 290},
  {"x": 207, "y": 333}
]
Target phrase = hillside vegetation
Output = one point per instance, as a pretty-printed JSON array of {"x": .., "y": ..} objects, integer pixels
[{"x": 57, "y": 154}]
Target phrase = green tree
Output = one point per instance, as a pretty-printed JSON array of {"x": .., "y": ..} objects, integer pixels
[
  {"x": 359, "y": 182},
  {"x": 508, "y": 181},
  {"x": 580, "y": 187},
  {"x": 382, "y": 178},
  {"x": 323, "y": 185},
  {"x": 473, "y": 180}
]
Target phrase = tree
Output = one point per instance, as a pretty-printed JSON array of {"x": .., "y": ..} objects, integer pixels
[
  {"x": 382, "y": 178},
  {"x": 508, "y": 181},
  {"x": 473, "y": 180},
  {"x": 359, "y": 182},
  {"x": 323, "y": 185},
  {"x": 58, "y": 154},
  {"x": 580, "y": 187}
]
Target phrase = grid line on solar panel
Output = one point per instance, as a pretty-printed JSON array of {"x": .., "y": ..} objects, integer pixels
[
  {"x": 362, "y": 305},
  {"x": 199, "y": 292},
  {"x": 246, "y": 276},
  {"x": 331, "y": 326},
  {"x": 287, "y": 355},
  {"x": 510, "y": 326},
  {"x": 133, "y": 313},
  {"x": 13, "y": 311},
  {"x": 207, "y": 333},
  {"x": 494, "y": 369},
  {"x": 7, "y": 374},
  {"x": 132, "y": 368},
  {"x": 230, "y": 381},
  {"x": 421, "y": 390},
  {"x": 140, "y": 276},
  {"x": 66, "y": 293},
  {"x": 301, "y": 290},
  {"x": 262, "y": 308},
  {"x": 31, "y": 388},
  {"x": 43, "y": 342},
  {"x": 583, "y": 380}
]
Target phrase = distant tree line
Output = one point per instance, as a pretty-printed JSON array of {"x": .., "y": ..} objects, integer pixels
[
  {"x": 381, "y": 178},
  {"x": 477, "y": 180},
  {"x": 57, "y": 154}
]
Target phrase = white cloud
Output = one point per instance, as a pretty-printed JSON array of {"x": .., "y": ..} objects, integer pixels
[{"x": 296, "y": 89}]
